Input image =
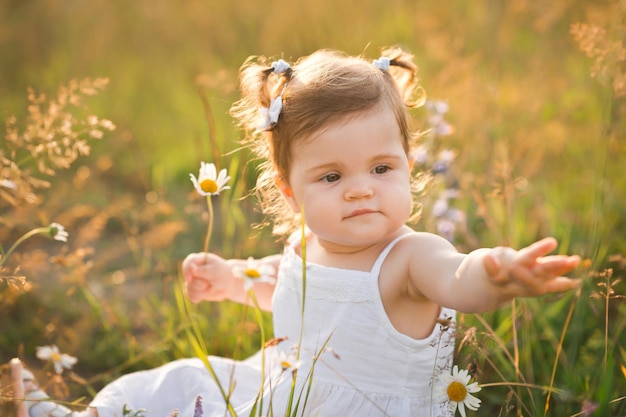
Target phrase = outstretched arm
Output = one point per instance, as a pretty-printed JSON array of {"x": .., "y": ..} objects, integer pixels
[
  {"x": 487, "y": 278},
  {"x": 209, "y": 277}
]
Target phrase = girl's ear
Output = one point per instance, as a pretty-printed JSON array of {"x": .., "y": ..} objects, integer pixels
[{"x": 287, "y": 193}]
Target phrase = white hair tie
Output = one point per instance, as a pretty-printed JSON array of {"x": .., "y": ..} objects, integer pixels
[
  {"x": 280, "y": 66},
  {"x": 382, "y": 63},
  {"x": 268, "y": 116}
]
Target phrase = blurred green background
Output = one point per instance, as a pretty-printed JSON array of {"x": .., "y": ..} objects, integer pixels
[{"x": 539, "y": 135}]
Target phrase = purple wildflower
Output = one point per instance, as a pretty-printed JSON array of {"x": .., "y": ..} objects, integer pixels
[{"x": 198, "y": 411}]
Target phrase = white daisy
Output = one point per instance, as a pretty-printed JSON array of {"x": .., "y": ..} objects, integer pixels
[
  {"x": 288, "y": 362},
  {"x": 60, "y": 360},
  {"x": 208, "y": 182},
  {"x": 253, "y": 273},
  {"x": 58, "y": 232},
  {"x": 456, "y": 389}
]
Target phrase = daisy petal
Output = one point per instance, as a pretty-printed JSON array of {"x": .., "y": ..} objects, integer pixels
[
  {"x": 455, "y": 389},
  {"x": 461, "y": 409},
  {"x": 59, "y": 360},
  {"x": 208, "y": 182}
]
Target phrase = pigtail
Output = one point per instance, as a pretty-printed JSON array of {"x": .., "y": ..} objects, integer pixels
[
  {"x": 262, "y": 86},
  {"x": 255, "y": 93},
  {"x": 403, "y": 70}
]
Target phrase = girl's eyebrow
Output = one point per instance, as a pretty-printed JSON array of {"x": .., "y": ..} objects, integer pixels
[
  {"x": 322, "y": 167},
  {"x": 393, "y": 156},
  {"x": 334, "y": 164},
  {"x": 388, "y": 155}
]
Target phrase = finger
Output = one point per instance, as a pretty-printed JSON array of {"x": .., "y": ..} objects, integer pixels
[
  {"x": 556, "y": 265},
  {"x": 495, "y": 270},
  {"x": 539, "y": 284},
  {"x": 497, "y": 264},
  {"x": 561, "y": 284},
  {"x": 190, "y": 264},
  {"x": 532, "y": 283},
  {"x": 188, "y": 272},
  {"x": 196, "y": 290},
  {"x": 194, "y": 287},
  {"x": 538, "y": 249},
  {"x": 197, "y": 285},
  {"x": 195, "y": 271},
  {"x": 491, "y": 265}
]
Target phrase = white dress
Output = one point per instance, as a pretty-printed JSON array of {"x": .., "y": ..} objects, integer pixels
[{"x": 360, "y": 364}]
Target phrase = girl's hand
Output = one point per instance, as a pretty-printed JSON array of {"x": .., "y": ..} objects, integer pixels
[
  {"x": 528, "y": 272},
  {"x": 208, "y": 277}
]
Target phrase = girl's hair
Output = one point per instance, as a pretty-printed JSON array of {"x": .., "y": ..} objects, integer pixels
[{"x": 316, "y": 91}]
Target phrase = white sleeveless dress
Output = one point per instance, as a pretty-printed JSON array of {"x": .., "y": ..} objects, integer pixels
[{"x": 360, "y": 364}]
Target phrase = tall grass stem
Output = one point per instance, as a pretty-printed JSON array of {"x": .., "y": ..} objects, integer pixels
[
  {"x": 559, "y": 349},
  {"x": 207, "y": 239}
]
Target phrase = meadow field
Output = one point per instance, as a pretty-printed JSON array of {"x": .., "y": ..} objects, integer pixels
[{"x": 109, "y": 105}]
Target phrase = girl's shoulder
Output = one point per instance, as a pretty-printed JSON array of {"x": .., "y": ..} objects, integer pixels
[
  {"x": 416, "y": 257},
  {"x": 412, "y": 238},
  {"x": 421, "y": 247}
]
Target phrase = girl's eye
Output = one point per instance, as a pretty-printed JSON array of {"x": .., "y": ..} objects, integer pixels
[
  {"x": 330, "y": 177},
  {"x": 381, "y": 169}
]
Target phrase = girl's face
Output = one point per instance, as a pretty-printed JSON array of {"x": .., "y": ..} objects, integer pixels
[{"x": 352, "y": 180}]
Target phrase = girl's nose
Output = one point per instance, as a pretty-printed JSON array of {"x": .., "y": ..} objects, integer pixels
[{"x": 358, "y": 189}]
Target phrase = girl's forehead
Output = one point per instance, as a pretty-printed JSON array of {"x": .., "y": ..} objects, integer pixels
[
  {"x": 369, "y": 133},
  {"x": 377, "y": 114}
]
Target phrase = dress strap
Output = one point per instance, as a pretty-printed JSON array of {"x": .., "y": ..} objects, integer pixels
[{"x": 383, "y": 255}]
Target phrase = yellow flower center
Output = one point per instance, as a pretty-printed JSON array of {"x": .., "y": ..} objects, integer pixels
[
  {"x": 252, "y": 273},
  {"x": 457, "y": 391},
  {"x": 208, "y": 186},
  {"x": 285, "y": 365},
  {"x": 55, "y": 357}
]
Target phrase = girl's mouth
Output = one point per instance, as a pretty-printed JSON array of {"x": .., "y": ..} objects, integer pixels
[{"x": 360, "y": 212}]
